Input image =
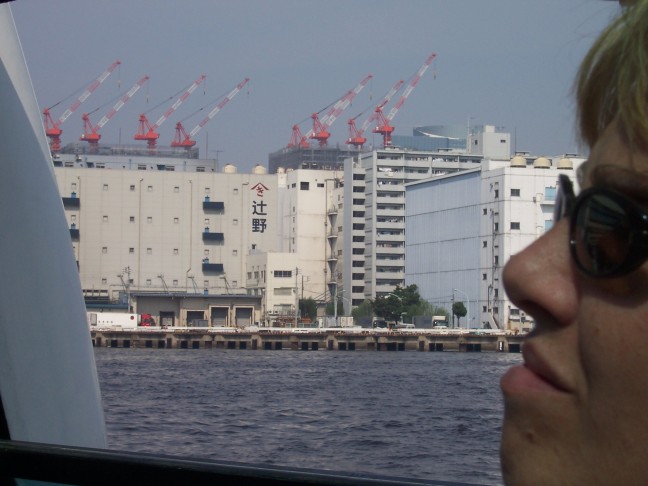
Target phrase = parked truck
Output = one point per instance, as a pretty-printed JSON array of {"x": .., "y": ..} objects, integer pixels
[{"x": 123, "y": 320}]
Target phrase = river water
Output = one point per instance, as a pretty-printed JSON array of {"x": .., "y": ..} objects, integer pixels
[{"x": 411, "y": 414}]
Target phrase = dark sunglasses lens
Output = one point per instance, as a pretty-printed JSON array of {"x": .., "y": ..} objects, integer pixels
[{"x": 600, "y": 235}]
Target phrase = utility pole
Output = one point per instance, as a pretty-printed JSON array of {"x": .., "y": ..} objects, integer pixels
[
  {"x": 296, "y": 296},
  {"x": 452, "y": 309}
]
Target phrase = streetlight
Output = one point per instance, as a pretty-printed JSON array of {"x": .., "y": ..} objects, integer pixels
[{"x": 468, "y": 301}]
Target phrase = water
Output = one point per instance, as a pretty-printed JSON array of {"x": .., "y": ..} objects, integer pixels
[{"x": 411, "y": 414}]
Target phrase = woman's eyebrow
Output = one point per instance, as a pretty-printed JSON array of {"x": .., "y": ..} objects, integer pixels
[{"x": 630, "y": 182}]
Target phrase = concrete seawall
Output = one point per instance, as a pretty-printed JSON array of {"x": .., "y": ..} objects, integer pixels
[{"x": 308, "y": 339}]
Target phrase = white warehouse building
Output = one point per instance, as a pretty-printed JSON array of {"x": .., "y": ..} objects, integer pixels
[{"x": 462, "y": 228}]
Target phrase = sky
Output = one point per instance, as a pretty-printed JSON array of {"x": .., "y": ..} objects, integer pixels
[{"x": 508, "y": 63}]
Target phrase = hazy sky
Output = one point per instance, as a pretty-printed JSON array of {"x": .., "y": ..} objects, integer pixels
[{"x": 508, "y": 63}]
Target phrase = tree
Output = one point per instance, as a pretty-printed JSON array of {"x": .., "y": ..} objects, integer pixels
[
  {"x": 308, "y": 308},
  {"x": 330, "y": 310},
  {"x": 366, "y": 309},
  {"x": 459, "y": 310},
  {"x": 403, "y": 300}
]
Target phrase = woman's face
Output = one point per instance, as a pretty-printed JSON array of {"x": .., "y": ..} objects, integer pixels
[{"x": 576, "y": 412}]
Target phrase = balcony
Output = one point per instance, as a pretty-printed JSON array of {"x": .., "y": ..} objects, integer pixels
[
  {"x": 213, "y": 205},
  {"x": 74, "y": 233},
  {"x": 71, "y": 202},
  {"x": 212, "y": 267},
  {"x": 208, "y": 236}
]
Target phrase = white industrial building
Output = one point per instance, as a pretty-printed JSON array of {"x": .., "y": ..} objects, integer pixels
[
  {"x": 461, "y": 228},
  {"x": 173, "y": 227}
]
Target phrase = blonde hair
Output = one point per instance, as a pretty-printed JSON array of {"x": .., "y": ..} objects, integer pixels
[{"x": 612, "y": 82}]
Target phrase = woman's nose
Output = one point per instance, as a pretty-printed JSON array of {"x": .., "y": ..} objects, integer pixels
[{"x": 540, "y": 280}]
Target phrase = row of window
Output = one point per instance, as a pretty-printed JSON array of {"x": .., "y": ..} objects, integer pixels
[{"x": 174, "y": 251}]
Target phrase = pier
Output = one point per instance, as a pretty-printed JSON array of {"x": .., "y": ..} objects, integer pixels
[{"x": 332, "y": 339}]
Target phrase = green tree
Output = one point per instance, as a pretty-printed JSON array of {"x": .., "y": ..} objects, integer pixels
[
  {"x": 459, "y": 310},
  {"x": 366, "y": 309},
  {"x": 308, "y": 308},
  {"x": 330, "y": 310},
  {"x": 403, "y": 301}
]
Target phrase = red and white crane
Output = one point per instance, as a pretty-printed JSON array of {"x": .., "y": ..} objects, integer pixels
[
  {"x": 356, "y": 135},
  {"x": 91, "y": 133},
  {"x": 53, "y": 128},
  {"x": 320, "y": 127},
  {"x": 384, "y": 127},
  {"x": 184, "y": 139},
  {"x": 147, "y": 132},
  {"x": 319, "y": 131}
]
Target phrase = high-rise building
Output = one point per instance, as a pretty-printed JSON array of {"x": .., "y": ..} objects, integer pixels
[{"x": 374, "y": 215}]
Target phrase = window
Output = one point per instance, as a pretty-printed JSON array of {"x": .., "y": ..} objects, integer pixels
[
  {"x": 131, "y": 250},
  {"x": 175, "y": 251},
  {"x": 132, "y": 219},
  {"x": 282, "y": 273},
  {"x": 234, "y": 252},
  {"x": 176, "y": 189},
  {"x": 550, "y": 193},
  {"x": 176, "y": 220},
  {"x": 104, "y": 281},
  {"x": 484, "y": 276},
  {"x": 515, "y": 193},
  {"x": 105, "y": 187},
  {"x": 515, "y": 225},
  {"x": 148, "y": 282},
  {"x": 149, "y": 188},
  {"x": 496, "y": 193},
  {"x": 104, "y": 249},
  {"x": 484, "y": 211},
  {"x": 149, "y": 219},
  {"x": 484, "y": 244},
  {"x": 132, "y": 187},
  {"x": 105, "y": 219},
  {"x": 149, "y": 251}
]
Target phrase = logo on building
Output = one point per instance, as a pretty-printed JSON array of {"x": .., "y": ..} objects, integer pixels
[{"x": 259, "y": 210}]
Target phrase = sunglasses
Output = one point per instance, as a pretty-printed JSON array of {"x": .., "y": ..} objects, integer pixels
[{"x": 608, "y": 234}]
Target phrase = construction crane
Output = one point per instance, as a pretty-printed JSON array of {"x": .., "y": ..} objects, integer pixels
[
  {"x": 320, "y": 127},
  {"x": 91, "y": 133},
  {"x": 384, "y": 127},
  {"x": 184, "y": 139},
  {"x": 147, "y": 132},
  {"x": 356, "y": 135},
  {"x": 53, "y": 128}
]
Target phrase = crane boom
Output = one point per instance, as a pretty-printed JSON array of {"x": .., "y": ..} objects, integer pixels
[
  {"x": 178, "y": 102},
  {"x": 355, "y": 135},
  {"x": 219, "y": 107},
  {"x": 147, "y": 132},
  {"x": 90, "y": 133},
  {"x": 344, "y": 102},
  {"x": 384, "y": 127},
  {"x": 320, "y": 131},
  {"x": 53, "y": 128},
  {"x": 411, "y": 86},
  {"x": 182, "y": 139}
]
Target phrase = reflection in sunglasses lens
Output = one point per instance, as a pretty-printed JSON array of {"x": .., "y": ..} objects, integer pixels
[{"x": 601, "y": 234}]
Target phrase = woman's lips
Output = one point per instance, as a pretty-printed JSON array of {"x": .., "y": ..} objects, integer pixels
[
  {"x": 521, "y": 377},
  {"x": 533, "y": 375}
]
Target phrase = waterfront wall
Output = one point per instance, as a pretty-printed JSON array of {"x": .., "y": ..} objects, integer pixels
[{"x": 308, "y": 340}]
